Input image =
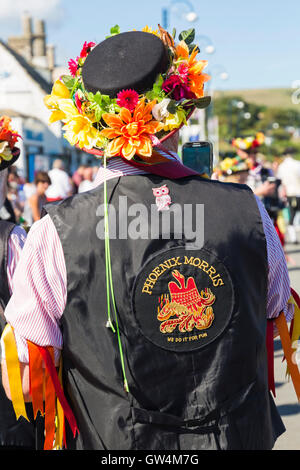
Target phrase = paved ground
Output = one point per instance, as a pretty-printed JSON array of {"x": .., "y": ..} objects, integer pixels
[{"x": 286, "y": 399}]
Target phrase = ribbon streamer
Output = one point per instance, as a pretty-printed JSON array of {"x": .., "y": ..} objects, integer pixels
[
  {"x": 49, "y": 362},
  {"x": 50, "y": 411},
  {"x": 288, "y": 352},
  {"x": 14, "y": 373},
  {"x": 36, "y": 371},
  {"x": 296, "y": 322},
  {"x": 270, "y": 351},
  {"x": 60, "y": 416}
]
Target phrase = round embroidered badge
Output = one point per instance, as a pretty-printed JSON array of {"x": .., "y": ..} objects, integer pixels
[{"x": 183, "y": 299}]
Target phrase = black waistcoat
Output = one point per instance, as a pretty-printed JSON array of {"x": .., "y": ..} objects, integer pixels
[
  {"x": 192, "y": 321},
  {"x": 12, "y": 432}
]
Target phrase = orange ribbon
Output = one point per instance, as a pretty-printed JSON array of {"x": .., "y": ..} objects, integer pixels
[
  {"x": 36, "y": 371},
  {"x": 289, "y": 352}
]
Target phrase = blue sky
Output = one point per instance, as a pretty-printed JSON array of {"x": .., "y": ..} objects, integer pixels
[{"x": 257, "y": 42}]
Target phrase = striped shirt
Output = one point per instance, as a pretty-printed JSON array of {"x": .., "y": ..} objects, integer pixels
[
  {"x": 40, "y": 283},
  {"x": 14, "y": 248}
]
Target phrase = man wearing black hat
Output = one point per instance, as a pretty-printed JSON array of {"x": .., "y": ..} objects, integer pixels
[
  {"x": 13, "y": 435},
  {"x": 162, "y": 336}
]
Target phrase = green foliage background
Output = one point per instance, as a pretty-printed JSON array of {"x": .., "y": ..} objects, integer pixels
[{"x": 276, "y": 119}]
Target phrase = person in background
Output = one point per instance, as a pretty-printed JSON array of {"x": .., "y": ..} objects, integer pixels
[
  {"x": 247, "y": 148},
  {"x": 87, "y": 182},
  {"x": 28, "y": 189},
  {"x": 35, "y": 203},
  {"x": 14, "y": 435},
  {"x": 77, "y": 177},
  {"x": 234, "y": 170},
  {"x": 61, "y": 186},
  {"x": 289, "y": 173}
]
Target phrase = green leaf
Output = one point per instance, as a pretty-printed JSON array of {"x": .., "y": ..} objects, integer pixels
[
  {"x": 114, "y": 31},
  {"x": 174, "y": 33},
  {"x": 101, "y": 104},
  {"x": 187, "y": 36},
  {"x": 202, "y": 102},
  {"x": 98, "y": 113},
  {"x": 172, "y": 108},
  {"x": 68, "y": 81},
  {"x": 198, "y": 103},
  {"x": 192, "y": 47},
  {"x": 157, "y": 91}
]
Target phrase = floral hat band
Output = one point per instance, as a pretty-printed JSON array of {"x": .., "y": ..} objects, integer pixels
[
  {"x": 9, "y": 153},
  {"x": 230, "y": 166},
  {"x": 129, "y": 93},
  {"x": 249, "y": 143}
]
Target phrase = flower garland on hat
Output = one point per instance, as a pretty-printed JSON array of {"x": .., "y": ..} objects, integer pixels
[
  {"x": 248, "y": 143},
  {"x": 8, "y": 139},
  {"x": 230, "y": 166},
  {"x": 129, "y": 124}
]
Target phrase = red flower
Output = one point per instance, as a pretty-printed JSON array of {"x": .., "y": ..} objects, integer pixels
[
  {"x": 73, "y": 66},
  {"x": 175, "y": 86},
  {"x": 128, "y": 99},
  {"x": 78, "y": 102},
  {"x": 183, "y": 71},
  {"x": 86, "y": 49}
]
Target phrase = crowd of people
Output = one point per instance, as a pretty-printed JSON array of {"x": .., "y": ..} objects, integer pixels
[
  {"x": 25, "y": 199},
  {"x": 276, "y": 183}
]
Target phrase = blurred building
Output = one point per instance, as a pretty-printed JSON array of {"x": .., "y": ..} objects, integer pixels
[{"x": 26, "y": 76}]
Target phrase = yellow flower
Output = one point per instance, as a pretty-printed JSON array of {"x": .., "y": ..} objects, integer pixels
[
  {"x": 59, "y": 92},
  {"x": 173, "y": 121},
  {"x": 226, "y": 164},
  {"x": 260, "y": 137},
  {"x": 79, "y": 129},
  {"x": 148, "y": 29}
]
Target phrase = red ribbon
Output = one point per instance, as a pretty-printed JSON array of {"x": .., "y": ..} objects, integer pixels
[
  {"x": 270, "y": 353},
  {"x": 58, "y": 389},
  {"x": 296, "y": 297}
]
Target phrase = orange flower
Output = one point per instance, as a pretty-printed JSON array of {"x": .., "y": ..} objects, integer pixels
[
  {"x": 131, "y": 132},
  {"x": 6, "y": 132},
  {"x": 196, "y": 78}
]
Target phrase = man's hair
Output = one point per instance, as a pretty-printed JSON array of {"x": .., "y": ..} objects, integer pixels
[
  {"x": 42, "y": 177},
  {"x": 58, "y": 163}
]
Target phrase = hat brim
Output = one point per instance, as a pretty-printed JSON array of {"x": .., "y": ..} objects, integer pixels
[{"x": 6, "y": 163}]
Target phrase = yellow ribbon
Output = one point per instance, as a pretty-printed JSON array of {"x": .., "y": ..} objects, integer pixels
[
  {"x": 13, "y": 372},
  {"x": 60, "y": 416},
  {"x": 296, "y": 327}
]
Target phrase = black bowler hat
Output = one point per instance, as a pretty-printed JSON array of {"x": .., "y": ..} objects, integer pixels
[{"x": 129, "y": 60}]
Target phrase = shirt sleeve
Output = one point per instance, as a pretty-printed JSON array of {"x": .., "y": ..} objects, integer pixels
[
  {"x": 279, "y": 289},
  {"x": 39, "y": 294},
  {"x": 14, "y": 248}
]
